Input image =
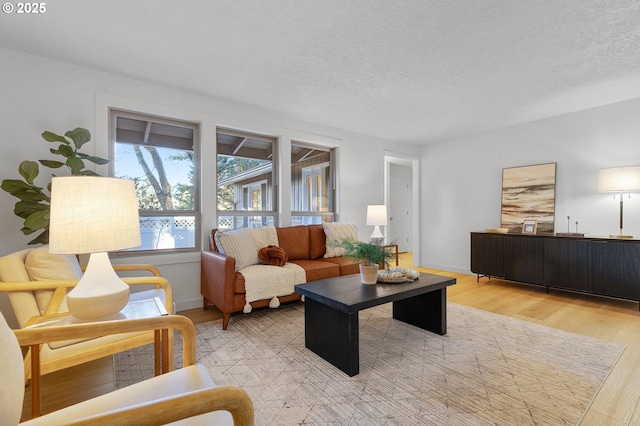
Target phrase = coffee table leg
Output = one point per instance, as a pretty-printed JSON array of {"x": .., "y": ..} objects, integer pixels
[
  {"x": 333, "y": 335},
  {"x": 427, "y": 311}
]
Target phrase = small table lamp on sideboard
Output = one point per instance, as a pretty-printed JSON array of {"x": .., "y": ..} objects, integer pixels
[
  {"x": 96, "y": 215},
  {"x": 622, "y": 180}
]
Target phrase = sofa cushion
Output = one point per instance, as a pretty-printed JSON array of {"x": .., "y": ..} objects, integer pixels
[
  {"x": 317, "y": 242},
  {"x": 347, "y": 266},
  {"x": 294, "y": 240},
  {"x": 337, "y": 232},
  {"x": 42, "y": 265},
  {"x": 318, "y": 270}
]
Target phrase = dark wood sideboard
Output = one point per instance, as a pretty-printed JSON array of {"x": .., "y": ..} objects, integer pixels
[{"x": 600, "y": 266}]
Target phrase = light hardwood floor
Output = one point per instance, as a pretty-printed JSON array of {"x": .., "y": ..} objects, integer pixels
[{"x": 607, "y": 319}]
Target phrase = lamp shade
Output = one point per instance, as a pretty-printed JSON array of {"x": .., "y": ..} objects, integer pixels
[
  {"x": 377, "y": 214},
  {"x": 619, "y": 179},
  {"x": 91, "y": 214}
]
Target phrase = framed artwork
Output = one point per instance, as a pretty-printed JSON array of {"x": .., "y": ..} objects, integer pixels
[
  {"x": 529, "y": 226},
  {"x": 529, "y": 193}
]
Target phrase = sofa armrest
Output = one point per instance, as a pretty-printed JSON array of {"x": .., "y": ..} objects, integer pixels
[{"x": 217, "y": 281}]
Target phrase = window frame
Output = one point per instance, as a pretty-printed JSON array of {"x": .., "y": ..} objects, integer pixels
[
  {"x": 268, "y": 216},
  {"x": 114, "y": 113},
  {"x": 325, "y": 216}
]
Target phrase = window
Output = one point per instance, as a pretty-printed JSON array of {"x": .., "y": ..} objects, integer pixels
[
  {"x": 312, "y": 184},
  {"x": 159, "y": 155},
  {"x": 245, "y": 174}
]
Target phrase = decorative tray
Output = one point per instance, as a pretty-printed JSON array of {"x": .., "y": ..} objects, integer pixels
[
  {"x": 397, "y": 275},
  {"x": 395, "y": 280}
]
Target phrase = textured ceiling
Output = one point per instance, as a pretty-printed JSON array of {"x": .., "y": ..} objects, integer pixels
[{"x": 412, "y": 71}]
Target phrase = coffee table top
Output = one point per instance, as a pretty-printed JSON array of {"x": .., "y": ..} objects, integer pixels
[{"x": 348, "y": 294}]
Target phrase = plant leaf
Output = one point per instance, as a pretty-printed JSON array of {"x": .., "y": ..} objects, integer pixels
[
  {"x": 41, "y": 239},
  {"x": 52, "y": 137},
  {"x": 31, "y": 194},
  {"x": 79, "y": 136},
  {"x": 24, "y": 209},
  {"x": 88, "y": 173},
  {"x": 76, "y": 165},
  {"x": 27, "y": 231},
  {"x": 37, "y": 220},
  {"x": 29, "y": 170},
  {"x": 14, "y": 186},
  {"x": 64, "y": 150},
  {"x": 52, "y": 164},
  {"x": 96, "y": 160}
]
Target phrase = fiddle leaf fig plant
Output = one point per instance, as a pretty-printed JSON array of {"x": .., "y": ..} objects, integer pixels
[{"x": 35, "y": 201}]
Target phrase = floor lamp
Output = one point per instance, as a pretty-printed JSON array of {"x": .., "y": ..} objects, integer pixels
[
  {"x": 95, "y": 215},
  {"x": 622, "y": 180}
]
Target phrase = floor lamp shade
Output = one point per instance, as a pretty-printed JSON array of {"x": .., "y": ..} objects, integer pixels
[
  {"x": 96, "y": 215},
  {"x": 619, "y": 180}
]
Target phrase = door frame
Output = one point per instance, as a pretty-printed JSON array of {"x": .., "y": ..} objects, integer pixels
[{"x": 414, "y": 164}]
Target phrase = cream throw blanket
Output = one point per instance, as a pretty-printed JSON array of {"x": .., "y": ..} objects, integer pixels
[{"x": 269, "y": 282}]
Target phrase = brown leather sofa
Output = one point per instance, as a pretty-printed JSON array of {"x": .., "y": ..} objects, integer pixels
[{"x": 305, "y": 245}]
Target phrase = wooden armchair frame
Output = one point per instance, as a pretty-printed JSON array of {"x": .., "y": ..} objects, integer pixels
[
  {"x": 167, "y": 409},
  {"x": 91, "y": 352}
]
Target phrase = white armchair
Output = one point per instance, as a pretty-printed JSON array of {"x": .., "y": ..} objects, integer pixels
[
  {"x": 37, "y": 284},
  {"x": 186, "y": 396}
]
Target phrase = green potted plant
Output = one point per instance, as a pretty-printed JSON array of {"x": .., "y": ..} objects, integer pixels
[
  {"x": 371, "y": 256},
  {"x": 34, "y": 202}
]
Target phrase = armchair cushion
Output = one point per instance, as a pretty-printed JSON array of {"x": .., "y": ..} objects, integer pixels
[{"x": 42, "y": 265}]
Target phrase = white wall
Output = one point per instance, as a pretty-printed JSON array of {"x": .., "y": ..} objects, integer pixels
[
  {"x": 41, "y": 94},
  {"x": 462, "y": 179}
]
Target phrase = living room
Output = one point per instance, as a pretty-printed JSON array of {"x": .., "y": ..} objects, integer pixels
[{"x": 575, "y": 104}]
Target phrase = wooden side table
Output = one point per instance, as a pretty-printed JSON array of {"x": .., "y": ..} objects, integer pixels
[
  {"x": 395, "y": 248},
  {"x": 145, "y": 308}
]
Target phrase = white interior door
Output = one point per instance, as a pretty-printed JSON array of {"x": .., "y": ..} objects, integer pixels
[{"x": 400, "y": 212}]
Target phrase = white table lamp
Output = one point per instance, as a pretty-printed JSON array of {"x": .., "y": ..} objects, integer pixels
[
  {"x": 619, "y": 180},
  {"x": 96, "y": 215},
  {"x": 376, "y": 216}
]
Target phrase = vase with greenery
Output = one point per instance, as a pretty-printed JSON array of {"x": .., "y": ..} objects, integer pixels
[
  {"x": 34, "y": 201},
  {"x": 370, "y": 256}
]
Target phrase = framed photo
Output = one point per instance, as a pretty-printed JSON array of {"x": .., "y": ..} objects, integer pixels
[
  {"x": 528, "y": 193},
  {"x": 529, "y": 226}
]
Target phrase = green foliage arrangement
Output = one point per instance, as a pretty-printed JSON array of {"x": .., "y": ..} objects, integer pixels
[
  {"x": 367, "y": 253},
  {"x": 35, "y": 203}
]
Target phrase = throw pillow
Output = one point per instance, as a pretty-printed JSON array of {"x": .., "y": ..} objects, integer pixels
[
  {"x": 337, "y": 232},
  {"x": 265, "y": 236},
  {"x": 238, "y": 244},
  {"x": 272, "y": 255}
]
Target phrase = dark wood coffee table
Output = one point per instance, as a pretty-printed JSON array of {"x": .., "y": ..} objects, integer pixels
[{"x": 332, "y": 306}]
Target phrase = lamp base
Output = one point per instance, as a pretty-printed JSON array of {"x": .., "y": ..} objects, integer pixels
[
  {"x": 100, "y": 293},
  {"x": 376, "y": 237},
  {"x": 620, "y": 236},
  {"x": 97, "y": 307}
]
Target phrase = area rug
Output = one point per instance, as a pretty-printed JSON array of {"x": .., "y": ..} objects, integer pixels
[{"x": 488, "y": 370}]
